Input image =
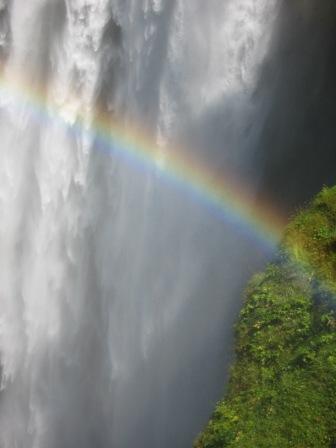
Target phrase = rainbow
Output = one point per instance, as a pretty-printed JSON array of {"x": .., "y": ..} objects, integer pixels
[{"x": 230, "y": 201}]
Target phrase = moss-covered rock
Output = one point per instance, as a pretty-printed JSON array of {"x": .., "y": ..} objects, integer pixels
[{"x": 282, "y": 389}]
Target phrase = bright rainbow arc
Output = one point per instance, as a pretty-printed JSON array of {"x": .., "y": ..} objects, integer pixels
[{"x": 256, "y": 220}]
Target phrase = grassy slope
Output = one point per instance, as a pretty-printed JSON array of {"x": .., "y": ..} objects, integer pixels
[{"x": 282, "y": 390}]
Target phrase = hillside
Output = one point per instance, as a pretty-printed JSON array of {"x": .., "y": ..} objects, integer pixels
[{"x": 282, "y": 389}]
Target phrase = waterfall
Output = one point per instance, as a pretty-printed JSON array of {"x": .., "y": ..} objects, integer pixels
[{"x": 116, "y": 290}]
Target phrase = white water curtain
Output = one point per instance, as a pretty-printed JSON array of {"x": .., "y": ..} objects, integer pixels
[{"x": 118, "y": 291}]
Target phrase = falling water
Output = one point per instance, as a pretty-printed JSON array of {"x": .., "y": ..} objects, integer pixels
[{"x": 114, "y": 286}]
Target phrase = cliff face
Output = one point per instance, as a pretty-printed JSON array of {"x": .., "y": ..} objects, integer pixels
[
  {"x": 282, "y": 389},
  {"x": 295, "y": 153}
]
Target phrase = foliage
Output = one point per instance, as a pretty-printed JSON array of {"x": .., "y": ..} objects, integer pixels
[{"x": 282, "y": 389}]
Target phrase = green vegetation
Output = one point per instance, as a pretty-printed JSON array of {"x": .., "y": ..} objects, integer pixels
[{"x": 282, "y": 389}]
